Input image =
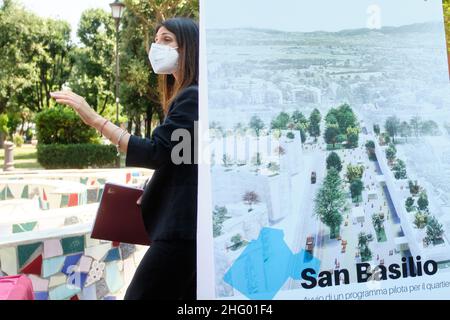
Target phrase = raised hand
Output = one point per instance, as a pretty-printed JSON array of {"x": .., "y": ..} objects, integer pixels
[{"x": 79, "y": 104}]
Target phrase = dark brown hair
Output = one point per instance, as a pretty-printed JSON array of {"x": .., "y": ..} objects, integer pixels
[{"x": 187, "y": 36}]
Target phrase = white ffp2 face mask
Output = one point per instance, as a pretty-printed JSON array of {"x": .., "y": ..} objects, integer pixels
[{"x": 164, "y": 59}]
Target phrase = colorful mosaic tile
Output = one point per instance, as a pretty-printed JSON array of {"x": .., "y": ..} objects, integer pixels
[
  {"x": 34, "y": 267},
  {"x": 24, "y": 227},
  {"x": 96, "y": 272},
  {"x": 41, "y": 295},
  {"x": 63, "y": 292},
  {"x": 113, "y": 277},
  {"x": 70, "y": 263},
  {"x": 113, "y": 255},
  {"x": 73, "y": 244},
  {"x": 89, "y": 293},
  {"x": 25, "y": 252},
  {"x": 101, "y": 289},
  {"x": 127, "y": 250},
  {"x": 52, "y": 266},
  {"x": 85, "y": 264},
  {"x": 25, "y": 193},
  {"x": 98, "y": 252},
  {"x": 8, "y": 260},
  {"x": 52, "y": 248},
  {"x": 91, "y": 242},
  {"x": 39, "y": 284},
  {"x": 78, "y": 279},
  {"x": 57, "y": 280}
]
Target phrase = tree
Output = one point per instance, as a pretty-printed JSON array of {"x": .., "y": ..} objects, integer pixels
[
  {"x": 430, "y": 128},
  {"x": 346, "y": 118},
  {"x": 352, "y": 137},
  {"x": 281, "y": 121},
  {"x": 314, "y": 124},
  {"x": 257, "y": 125},
  {"x": 391, "y": 153},
  {"x": 356, "y": 188},
  {"x": 392, "y": 127},
  {"x": 435, "y": 232},
  {"x": 405, "y": 130},
  {"x": 331, "y": 134},
  {"x": 409, "y": 204},
  {"x": 376, "y": 129},
  {"x": 299, "y": 119},
  {"x": 333, "y": 161},
  {"x": 303, "y": 135},
  {"x": 370, "y": 147},
  {"x": 399, "y": 169},
  {"x": 251, "y": 198},
  {"x": 330, "y": 202},
  {"x": 237, "y": 242},
  {"x": 414, "y": 187},
  {"x": 354, "y": 172},
  {"x": 377, "y": 221},
  {"x": 422, "y": 202},
  {"x": 219, "y": 217},
  {"x": 363, "y": 247},
  {"x": 421, "y": 219},
  {"x": 415, "y": 125}
]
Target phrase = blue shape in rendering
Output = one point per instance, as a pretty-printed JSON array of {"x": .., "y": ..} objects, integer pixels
[
  {"x": 265, "y": 265},
  {"x": 70, "y": 263}
]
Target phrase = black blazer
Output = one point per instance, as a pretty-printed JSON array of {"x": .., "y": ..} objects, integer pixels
[{"x": 169, "y": 202}]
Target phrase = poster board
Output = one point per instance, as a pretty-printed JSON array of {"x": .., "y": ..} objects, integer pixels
[{"x": 285, "y": 84}]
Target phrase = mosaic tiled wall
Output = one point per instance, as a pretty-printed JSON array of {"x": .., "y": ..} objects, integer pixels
[{"x": 74, "y": 267}]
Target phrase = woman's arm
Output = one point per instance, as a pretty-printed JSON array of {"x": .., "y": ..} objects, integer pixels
[{"x": 112, "y": 132}]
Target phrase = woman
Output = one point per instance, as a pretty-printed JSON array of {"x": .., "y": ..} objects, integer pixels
[{"x": 169, "y": 203}]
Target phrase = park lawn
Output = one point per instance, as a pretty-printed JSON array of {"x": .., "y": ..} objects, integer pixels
[
  {"x": 381, "y": 235},
  {"x": 25, "y": 157},
  {"x": 338, "y": 146}
]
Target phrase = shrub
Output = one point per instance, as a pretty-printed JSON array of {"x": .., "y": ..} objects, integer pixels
[
  {"x": 61, "y": 125},
  {"x": 18, "y": 140},
  {"x": 78, "y": 156}
]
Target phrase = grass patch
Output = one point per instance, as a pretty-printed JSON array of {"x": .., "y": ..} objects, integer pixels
[
  {"x": 381, "y": 235},
  {"x": 337, "y": 146}
]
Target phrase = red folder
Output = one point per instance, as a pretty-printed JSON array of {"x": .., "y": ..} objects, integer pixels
[{"x": 119, "y": 216}]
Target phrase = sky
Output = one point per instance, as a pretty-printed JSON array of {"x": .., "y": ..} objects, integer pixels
[
  {"x": 319, "y": 15},
  {"x": 65, "y": 10}
]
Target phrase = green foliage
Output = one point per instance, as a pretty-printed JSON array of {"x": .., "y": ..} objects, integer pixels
[
  {"x": 4, "y": 124},
  {"x": 376, "y": 129},
  {"x": 219, "y": 217},
  {"x": 76, "y": 156},
  {"x": 314, "y": 123},
  {"x": 421, "y": 219},
  {"x": 363, "y": 246},
  {"x": 392, "y": 127},
  {"x": 257, "y": 125},
  {"x": 354, "y": 172},
  {"x": 377, "y": 221},
  {"x": 330, "y": 202},
  {"x": 370, "y": 147},
  {"x": 352, "y": 137},
  {"x": 435, "y": 232},
  {"x": 290, "y": 135},
  {"x": 331, "y": 134},
  {"x": 334, "y": 161},
  {"x": 356, "y": 188},
  {"x": 281, "y": 121},
  {"x": 299, "y": 119},
  {"x": 237, "y": 242},
  {"x": 414, "y": 187},
  {"x": 409, "y": 204},
  {"x": 399, "y": 169},
  {"x": 422, "y": 202},
  {"x": 391, "y": 153},
  {"x": 61, "y": 125},
  {"x": 18, "y": 140}
]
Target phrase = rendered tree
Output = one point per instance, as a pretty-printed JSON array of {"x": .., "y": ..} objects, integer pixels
[
  {"x": 219, "y": 217},
  {"x": 250, "y": 198},
  {"x": 314, "y": 124},
  {"x": 392, "y": 127},
  {"x": 363, "y": 247},
  {"x": 354, "y": 172},
  {"x": 281, "y": 121},
  {"x": 330, "y": 202},
  {"x": 356, "y": 188},
  {"x": 435, "y": 231},
  {"x": 377, "y": 221},
  {"x": 409, "y": 204},
  {"x": 333, "y": 161},
  {"x": 422, "y": 202},
  {"x": 331, "y": 134},
  {"x": 400, "y": 170}
]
